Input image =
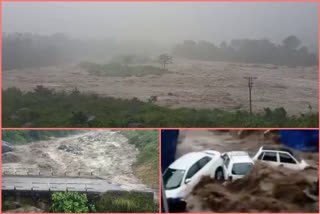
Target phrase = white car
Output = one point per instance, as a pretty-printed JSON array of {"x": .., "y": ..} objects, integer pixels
[
  {"x": 236, "y": 164},
  {"x": 280, "y": 156},
  {"x": 184, "y": 173}
]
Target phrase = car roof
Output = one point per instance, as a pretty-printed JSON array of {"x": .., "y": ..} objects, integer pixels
[
  {"x": 239, "y": 156},
  {"x": 277, "y": 148},
  {"x": 237, "y": 153},
  {"x": 187, "y": 160}
]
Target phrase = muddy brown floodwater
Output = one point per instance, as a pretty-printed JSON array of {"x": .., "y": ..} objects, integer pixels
[
  {"x": 265, "y": 189},
  {"x": 101, "y": 153},
  {"x": 190, "y": 83}
]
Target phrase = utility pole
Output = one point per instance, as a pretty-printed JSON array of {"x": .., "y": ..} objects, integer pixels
[{"x": 250, "y": 85}]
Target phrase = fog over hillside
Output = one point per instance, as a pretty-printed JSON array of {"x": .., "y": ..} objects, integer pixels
[{"x": 169, "y": 22}]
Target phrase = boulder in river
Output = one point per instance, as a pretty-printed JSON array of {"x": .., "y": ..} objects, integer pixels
[
  {"x": 62, "y": 147},
  {"x": 6, "y": 147}
]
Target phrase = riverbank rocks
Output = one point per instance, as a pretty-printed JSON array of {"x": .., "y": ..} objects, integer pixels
[
  {"x": 6, "y": 147},
  {"x": 62, "y": 147},
  {"x": 10, "y": 158},
  {"x": 72, "y": 149},
  {"x": 25, "y": 209}
]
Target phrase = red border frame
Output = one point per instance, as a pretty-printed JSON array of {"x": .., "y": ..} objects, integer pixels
[
  {"x": 160, "y": 0},
  {"x": 154, "y": 128}
]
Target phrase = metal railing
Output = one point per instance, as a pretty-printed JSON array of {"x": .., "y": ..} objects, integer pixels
[{"x": 51, "y": 172}]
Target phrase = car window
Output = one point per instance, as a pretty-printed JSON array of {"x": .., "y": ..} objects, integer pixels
[
  {"x": 172, "y": 178},
  {"x": 295, "y": 156},
  {"x": 203, "y": 161},
  {"x": 270, "y": 156},
  {"x": 193, "y": 170},
  {"x": 241, "y": 168},
  {"x": 260, "y": 156},
  {"x": 285, "y": 158}
]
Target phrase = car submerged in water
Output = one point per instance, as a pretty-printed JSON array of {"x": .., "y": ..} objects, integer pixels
[
  {"x": 184, "y": 173},
  {"x": 280, "y": 156},
  {"x": 236, "y": 165}
]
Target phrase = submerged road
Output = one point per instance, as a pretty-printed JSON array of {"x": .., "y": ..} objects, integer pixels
[{"x": 37, "y": 183}]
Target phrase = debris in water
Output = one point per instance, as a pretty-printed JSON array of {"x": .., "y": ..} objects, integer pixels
[{"x": 265, "y": 189}]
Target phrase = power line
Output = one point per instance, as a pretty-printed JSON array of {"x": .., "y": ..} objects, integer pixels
[{"x": 250, "y": 85}]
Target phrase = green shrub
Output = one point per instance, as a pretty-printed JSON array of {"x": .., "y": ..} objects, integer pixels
[
  {"x": 126, "y": 202},
  {"x": 120, "y": 70},
  {"x": 69, "y": 202}
]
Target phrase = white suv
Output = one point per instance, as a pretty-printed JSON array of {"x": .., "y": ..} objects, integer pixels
[
  {"x": 236, "y": 165},
  {"x": 184, "y": 173},
  {"x": 280, "y": 156}
]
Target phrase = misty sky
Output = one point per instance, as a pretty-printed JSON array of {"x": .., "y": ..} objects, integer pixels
[{"x": 166, "y": 21}]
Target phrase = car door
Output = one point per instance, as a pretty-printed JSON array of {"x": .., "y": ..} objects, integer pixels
[
  {"x": 205, "y": 166},
  {"x": 226, "y": 163},
  {"x": 189, "y": 180},
  {"x": 269, "y": 157},
  {"x": 288, "y": 161},
  {"x": 197, "y": 170},
  {"x": 191, "y": 172}
]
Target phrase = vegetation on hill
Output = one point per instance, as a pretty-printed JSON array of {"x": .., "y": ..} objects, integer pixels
[
  {"x": 290, "y": 52},
  {"x": 147, "y": 166},
  {"x": 44, "y": 107},
  {"x": 120, "y": 70},
  {"x": 25, "y": 136},
  {"x": 25, "y": 50},
  {"x": 28, "y": 50}
]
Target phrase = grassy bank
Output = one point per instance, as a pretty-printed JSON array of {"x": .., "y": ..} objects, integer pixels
[
  {"x": 64, "y": 202},
  {"x": 120, "y": 70},
  {"x": 125, "y": 202},
  {"x": 26, "y": 136},
  {"x": 48, "y": 108},
  {"x": 147, "y": 166}
]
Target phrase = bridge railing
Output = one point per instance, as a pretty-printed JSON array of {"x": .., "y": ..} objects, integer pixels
[
  {"x": 51, "y": 172},
  {"x": 47, "y": 188}
]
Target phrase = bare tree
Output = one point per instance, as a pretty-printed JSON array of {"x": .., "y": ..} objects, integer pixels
[{"x": 164, "y": 60}]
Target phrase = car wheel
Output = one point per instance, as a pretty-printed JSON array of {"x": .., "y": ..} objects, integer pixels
[{"x": 219, "y": 174}]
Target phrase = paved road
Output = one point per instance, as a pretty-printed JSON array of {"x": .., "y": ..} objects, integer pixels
[{"x": 57, "y": 184}]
